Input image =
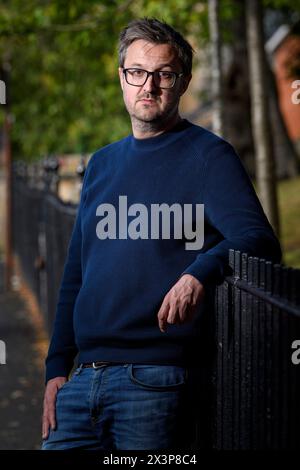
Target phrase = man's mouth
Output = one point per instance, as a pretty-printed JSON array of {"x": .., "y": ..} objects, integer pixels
[{"x": 148, "y": 101}]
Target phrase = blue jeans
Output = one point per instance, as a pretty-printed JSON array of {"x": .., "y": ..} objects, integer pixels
[{"x": 123, "y": 407}]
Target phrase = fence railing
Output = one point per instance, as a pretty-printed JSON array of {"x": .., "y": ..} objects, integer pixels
[
  {"x": 42, "y": 226},
  {"x": 255, "y": 384}
]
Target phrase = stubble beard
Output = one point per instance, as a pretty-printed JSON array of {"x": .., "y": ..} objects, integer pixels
[{"x": 155, "y": 122}]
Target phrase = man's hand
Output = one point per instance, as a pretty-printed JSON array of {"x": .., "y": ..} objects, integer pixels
[
  {"x": 52, "y": 388},
  {"x": 180, "y": 303}
]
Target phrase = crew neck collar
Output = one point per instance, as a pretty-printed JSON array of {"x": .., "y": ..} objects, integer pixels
[{"x": 161, "y": 139}]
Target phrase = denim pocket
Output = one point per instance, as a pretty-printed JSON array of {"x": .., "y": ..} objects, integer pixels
[
  {"x": 71, "y": 378},
  {"x": 157, "y": 377},
  {"x": 63, "y": 387},
  {"x": 74, "y": 374}
]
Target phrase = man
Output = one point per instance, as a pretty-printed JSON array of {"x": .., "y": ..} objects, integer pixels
[{"x": 135, "y": 289}]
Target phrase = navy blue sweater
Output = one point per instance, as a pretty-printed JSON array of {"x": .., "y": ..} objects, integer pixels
[{"x": 112, "y": 288}]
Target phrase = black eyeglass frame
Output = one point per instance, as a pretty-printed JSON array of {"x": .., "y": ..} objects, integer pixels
[{"x": 175, "y": 75}]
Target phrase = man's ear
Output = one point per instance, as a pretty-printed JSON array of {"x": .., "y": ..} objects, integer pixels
[
  {"x": 121, "y": 76},
  {"x": 185, "y": 83}
]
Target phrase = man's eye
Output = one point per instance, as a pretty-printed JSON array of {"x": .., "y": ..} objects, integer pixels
[
  {"x": 166, "y": 75},
  {"x": 137, "y": 73}
]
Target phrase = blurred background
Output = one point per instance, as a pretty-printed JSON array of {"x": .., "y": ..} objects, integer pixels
[{"x": 61, "y": 100}]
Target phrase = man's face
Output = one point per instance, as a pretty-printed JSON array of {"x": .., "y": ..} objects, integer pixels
[{"x": 148, "y": 103}]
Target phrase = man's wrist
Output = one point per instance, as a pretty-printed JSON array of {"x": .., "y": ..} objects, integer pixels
[{"x": 192, "y": 280}]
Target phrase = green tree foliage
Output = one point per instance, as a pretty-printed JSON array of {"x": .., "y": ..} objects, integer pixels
[{"x": 64, "y": 88}]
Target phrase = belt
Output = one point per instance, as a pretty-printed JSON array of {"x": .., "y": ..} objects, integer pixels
[{"x": 97, "y": 364}]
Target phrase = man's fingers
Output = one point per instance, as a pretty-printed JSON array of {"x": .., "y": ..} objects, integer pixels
[
  {"x": 180, "y": 304},
  {"x": 51, "y": 414},
  {"x": 45, "y": 427},
  {"x": 162, "y": 317},
  {"x": 49, "y": 411},
  {"x": 168, "y": 315},
  {"x": 162, "y": 323},
  {"x": 172, "y": 316}
]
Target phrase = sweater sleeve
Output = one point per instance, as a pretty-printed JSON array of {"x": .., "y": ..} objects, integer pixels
[
  {"x": 62, "y": 349},
  {"x": 232, "y": 207}
]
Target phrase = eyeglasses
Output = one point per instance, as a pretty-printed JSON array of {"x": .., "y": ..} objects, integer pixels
[{"x": 162, "y": 78}]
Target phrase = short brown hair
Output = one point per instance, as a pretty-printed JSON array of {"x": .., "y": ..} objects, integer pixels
[{"x": 156, "y": 32}]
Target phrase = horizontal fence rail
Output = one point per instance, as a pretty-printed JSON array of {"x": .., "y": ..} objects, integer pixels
[{"x": 255, "y": 385}]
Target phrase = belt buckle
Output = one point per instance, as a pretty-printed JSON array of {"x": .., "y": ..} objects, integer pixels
[{"x": 97, "y": 367}]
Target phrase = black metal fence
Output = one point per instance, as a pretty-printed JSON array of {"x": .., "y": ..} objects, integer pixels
[
  {"x": 256, "y": 386},
  {"x": 42, "y": 226}
]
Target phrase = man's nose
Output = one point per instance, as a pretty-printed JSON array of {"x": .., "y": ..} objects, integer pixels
[{"x": 150, "y": 84}]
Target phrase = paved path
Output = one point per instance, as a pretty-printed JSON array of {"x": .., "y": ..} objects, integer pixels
[{"x": 21, "y": 378}]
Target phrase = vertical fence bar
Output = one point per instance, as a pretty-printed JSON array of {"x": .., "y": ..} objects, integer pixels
[
  {"x": 219, "y": 372},
  {"x": 282, "y": 288},
  {"x": 224, "y": 412},
  {"x": 262, "y": 411},
  {"x": 227, "y": 362},
  {"x": 245, "y": 368},
  {"x": 256, "y": 346},
  {"x": 271, "y": 344},
  {"x": 237, "y": 354},
  {"x": 253, "y": 359}
]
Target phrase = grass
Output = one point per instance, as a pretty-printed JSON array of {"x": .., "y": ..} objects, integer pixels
[{"x": 289, "y": 207}]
